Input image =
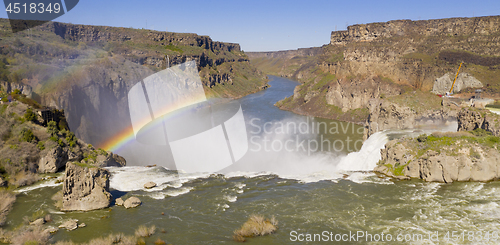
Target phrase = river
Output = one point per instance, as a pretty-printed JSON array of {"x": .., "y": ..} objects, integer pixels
[{"x": 309, "y": 191}]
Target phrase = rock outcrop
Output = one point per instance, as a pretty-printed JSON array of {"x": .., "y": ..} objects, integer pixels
[
  {"x": 464, "y": 80},
  {"x": 9, "y": 87},
  {"x": 56, "y": 158},
  {"x": 473, "y": 118},
  {"x": 85, "y": 188},
  {"x": 386, "y": 115},
  {"x": 459, "y": 160},
  {"x": 110, "y": 160},
  {"x": 40, "y": 150},
  {"x": 396, "y": 28},
  {"x": 53, "y": 160},
  {"x": 349, "y": 94}
]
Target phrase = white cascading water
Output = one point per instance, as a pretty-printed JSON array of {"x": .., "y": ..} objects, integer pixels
[
  {"x": 296, "y": 166},
  {"x": 367, "y": 157}
]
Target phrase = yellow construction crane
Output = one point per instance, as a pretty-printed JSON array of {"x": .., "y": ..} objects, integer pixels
[{"x": 453, "y": 84}]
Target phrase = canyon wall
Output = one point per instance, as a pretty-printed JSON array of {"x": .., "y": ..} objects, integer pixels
[
  {"x": 88, "y": 70},
  {"x": 408, "y": 55}
]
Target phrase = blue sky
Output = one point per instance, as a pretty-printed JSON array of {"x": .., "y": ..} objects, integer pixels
[{"x": 265, "y": 25}]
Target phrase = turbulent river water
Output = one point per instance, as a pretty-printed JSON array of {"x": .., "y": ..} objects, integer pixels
[{"x": 309, "y": 189}]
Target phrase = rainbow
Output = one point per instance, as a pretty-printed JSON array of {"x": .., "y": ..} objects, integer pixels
[{"x": 127, "y": 135}]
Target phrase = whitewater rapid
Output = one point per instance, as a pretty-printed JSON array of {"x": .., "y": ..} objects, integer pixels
[{"x": 355, "y": 165}]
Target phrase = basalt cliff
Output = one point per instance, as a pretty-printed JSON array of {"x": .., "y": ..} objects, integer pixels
[
  {"x": 88, "y": 70},
  {"x": 371, "y": 73},
  {"x": 471, "y": 154}
]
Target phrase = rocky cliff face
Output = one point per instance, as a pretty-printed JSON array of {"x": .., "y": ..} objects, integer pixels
[
  {"x": 413, "y": 52},
  {"x": 88, "y": 70},
  {"x": 472, "y": 118},
  {"x": 86, "y": 33},
  {"x": 85, "y": 188},
  {"x": 439, "y": 27},
  {"x": 415, "y": 55},
  {"x": 444, "y": 159},
  {"x": 8, "y": 87},
  {"x": 386, "y": 115},
  {"x": 350, "y": 94},
  {"x": 469, "y": 155},
  {"x": 28, "y": 146},
  {"x": 285, "y": 63}
]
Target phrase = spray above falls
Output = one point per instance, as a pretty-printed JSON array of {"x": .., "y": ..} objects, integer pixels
[{"x": 169, "y": 108}]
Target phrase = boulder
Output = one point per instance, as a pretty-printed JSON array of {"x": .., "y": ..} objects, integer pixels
[
  {"x": 85, "y": 188},
  {"x": 75, "y": 155},
  {"x": 53, "y": 160},
  {"x": 70, "y": 225},
  {"x": 119, "y": 202},
  {"x": 132, "y": 202},
  {"x": 51, "y": 229},
  {"x": 473, "y": 118},
  {"x": 150, "y": 185},
  {"x": 39, "y": 221}
]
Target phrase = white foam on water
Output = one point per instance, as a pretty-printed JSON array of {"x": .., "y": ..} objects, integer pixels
[
  {"x": 494, "y": 110},
  {"x": 169, "y": 193},
  {"x": 246, "y": 174},
  {"x": 240, "y": 185},
  {"x": 368, "y": 177},
  {"x": 231, "y": 198},
  {"x": 305, "y": 168},
  {"x": 133, "y": 178},
  {"x": 41, "y": 184}
]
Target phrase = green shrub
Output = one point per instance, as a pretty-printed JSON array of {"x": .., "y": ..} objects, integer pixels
[
  {"x": 63, "y": 125},
  {"x": 27, "y": 135},
  {"x": 41, "y": 145},
  {"x": 63, "y": 132},
  {"x": 481, "y": 132},
  {"x": 52, "y": 128},
  {"x": 54, "y": 138},
  {"x": 474, "y": 154},
  {"x": 16, "y": 91},
  {"x": 71, "y": 138},
  {"x": 60, "y": 142},
  {"x": 30, "y": 116},
  {"x": 102, "y": 152},
  {"x": 3, "y": 107},
  {"x": 422, "y": 138}
]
